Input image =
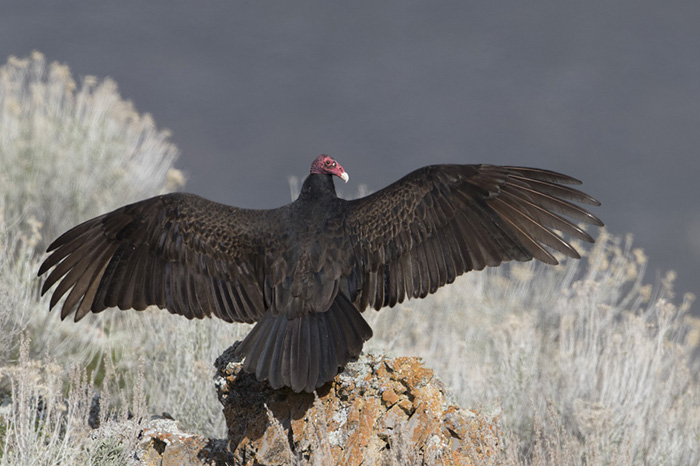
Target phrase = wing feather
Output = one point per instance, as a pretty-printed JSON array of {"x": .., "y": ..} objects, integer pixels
[
  {"x": 179, "y": 251},
  {"x": 443, "y": 220}
]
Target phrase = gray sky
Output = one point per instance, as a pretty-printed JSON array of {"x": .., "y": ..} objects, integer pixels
[{"x": 608, "y": 92}]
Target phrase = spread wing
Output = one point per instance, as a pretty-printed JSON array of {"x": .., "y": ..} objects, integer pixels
[
  {"x": 179, "y": 251},
  {"x": 440, "y": 221}
]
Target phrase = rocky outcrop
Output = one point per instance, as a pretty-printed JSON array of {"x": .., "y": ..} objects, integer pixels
[{"x": 377, "y": 411}]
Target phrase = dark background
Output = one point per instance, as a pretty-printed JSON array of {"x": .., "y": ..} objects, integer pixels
[{"x": 608, "y": 92}]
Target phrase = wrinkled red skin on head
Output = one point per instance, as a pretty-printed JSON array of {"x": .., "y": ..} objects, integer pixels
[{"x": 325, "y": 165}]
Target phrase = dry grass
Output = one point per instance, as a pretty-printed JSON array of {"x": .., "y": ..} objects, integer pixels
[
  {"x": 41, "y": 425},
  {"x": 582, "y": 363}
]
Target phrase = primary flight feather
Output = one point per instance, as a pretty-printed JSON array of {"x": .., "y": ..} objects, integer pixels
[{"x": 305, "y": 271}]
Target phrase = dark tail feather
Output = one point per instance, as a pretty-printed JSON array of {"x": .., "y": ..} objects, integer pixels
[{"x": 305, "y": 352}]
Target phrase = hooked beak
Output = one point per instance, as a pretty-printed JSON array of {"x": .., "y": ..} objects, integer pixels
[{"x": 345, "y": 176}]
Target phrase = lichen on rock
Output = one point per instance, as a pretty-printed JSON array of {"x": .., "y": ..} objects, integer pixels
[{"x": 377, "y": 411}]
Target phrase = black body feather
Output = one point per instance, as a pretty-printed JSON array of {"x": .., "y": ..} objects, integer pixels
[{"x": 307, "y": 270}]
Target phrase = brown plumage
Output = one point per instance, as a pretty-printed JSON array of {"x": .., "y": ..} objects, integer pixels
[{"x": 305, "y": 271}]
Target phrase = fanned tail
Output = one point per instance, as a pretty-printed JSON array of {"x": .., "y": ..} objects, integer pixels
[{"x": 304, "y": 352}]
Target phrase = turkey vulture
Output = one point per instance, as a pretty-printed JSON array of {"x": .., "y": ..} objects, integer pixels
[{"x": 304, "y": 272}]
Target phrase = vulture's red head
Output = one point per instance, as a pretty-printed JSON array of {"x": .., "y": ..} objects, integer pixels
[{"x": 325, "y": 165}]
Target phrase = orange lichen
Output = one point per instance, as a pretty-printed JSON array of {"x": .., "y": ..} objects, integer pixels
[{"x": 376, "y": 406}]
